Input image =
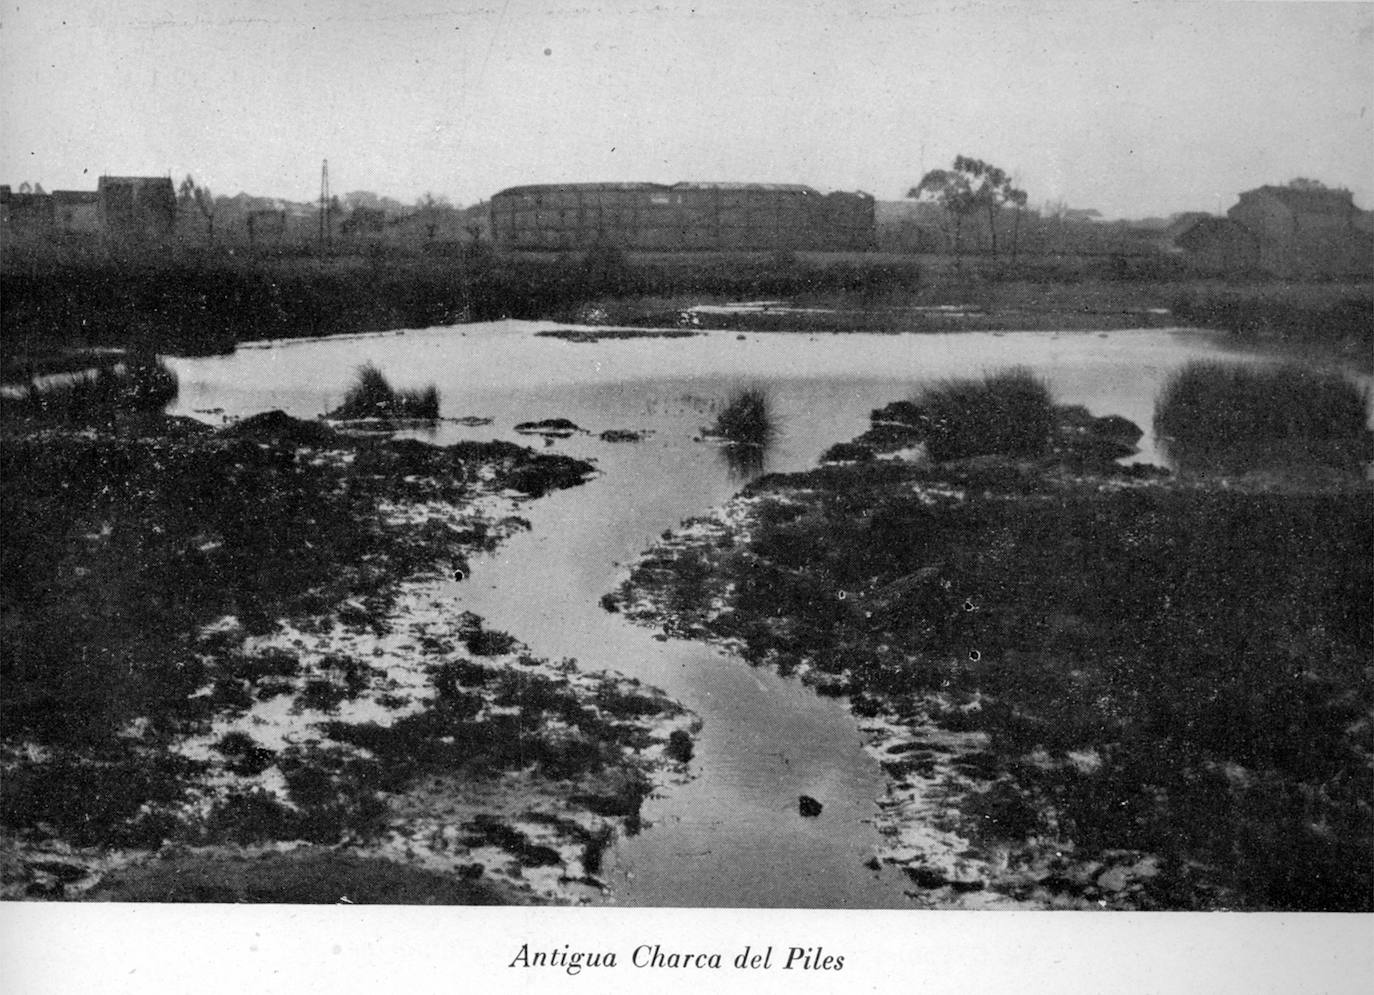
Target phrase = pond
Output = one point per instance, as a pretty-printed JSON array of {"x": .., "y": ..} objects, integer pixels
[{"x": 732, "y": 836}]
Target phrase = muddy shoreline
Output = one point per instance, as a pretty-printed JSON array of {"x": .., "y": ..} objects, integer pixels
[
  {"x": 238, "y": 669},
  {"x": 1081, "y": 693}
]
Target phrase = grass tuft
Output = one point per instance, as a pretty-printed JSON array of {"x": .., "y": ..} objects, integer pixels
[
  {"x": 1009, "y": 413},
  {"x": 372, "y": 396},
  {"x": 748, "y": 418},
  {"x": 1210, "y": 412}
]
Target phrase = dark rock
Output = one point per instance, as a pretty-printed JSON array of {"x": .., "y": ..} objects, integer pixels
[
  {"x": 926, "y": 877},
  {"x": 621, "y": 435},
  {"x": 679, "y": 746},
  {"x": 1116, "y": 428},
  {"x": 808, "y": 806}
]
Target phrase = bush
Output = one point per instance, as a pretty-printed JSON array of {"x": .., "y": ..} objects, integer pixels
[
  {"x": 1008, "y": 413},
  {"x": 748, "y": 418},
  {"x": 1210, "y": 412},
  {"x": 372, "y": 396}
]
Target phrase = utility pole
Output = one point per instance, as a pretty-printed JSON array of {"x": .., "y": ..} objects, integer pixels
[{"x": 326, "y": 235}]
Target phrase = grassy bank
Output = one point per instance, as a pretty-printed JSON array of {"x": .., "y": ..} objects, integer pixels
[{"x": 1090, "y": 685}]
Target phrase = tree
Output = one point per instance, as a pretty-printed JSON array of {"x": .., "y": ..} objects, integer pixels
[
  {"x": 434, "y": 212},
  {"x": 953, "y": 191},
  {"x": 190, "y": 194},
  {"x": 971, "y": 186}
]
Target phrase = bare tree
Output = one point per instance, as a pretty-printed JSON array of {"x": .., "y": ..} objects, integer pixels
[{"x": 190, "y": 194}]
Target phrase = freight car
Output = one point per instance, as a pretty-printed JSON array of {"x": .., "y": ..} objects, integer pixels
[{"x": 654, "y": 217}]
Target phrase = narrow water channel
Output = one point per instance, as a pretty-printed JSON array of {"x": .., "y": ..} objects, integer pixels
[{"x": 731, "y": 836}]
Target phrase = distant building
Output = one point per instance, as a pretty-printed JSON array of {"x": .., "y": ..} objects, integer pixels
[
  {"x": 76, "y": 211},
  {"x": 1216, "y": 245},
  {"x": 658, "y": 217},
  {"x": 1304, "y": 231},
  {"x": 24, "y": 216},
  {"x": 1300, "y": 231},
  {"x": 136, "y": 209}
]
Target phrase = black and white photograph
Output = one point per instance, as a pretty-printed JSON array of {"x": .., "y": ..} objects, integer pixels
[{"x": 679, "y": 494}]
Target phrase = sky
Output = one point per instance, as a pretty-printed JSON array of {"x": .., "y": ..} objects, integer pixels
[{"x": 1134, "y": 109}]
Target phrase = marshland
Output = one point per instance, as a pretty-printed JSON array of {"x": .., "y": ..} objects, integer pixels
[{"x": 1046, "y": 605}]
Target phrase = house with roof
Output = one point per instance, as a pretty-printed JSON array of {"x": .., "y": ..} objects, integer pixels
[
  {"x": 1306, "y": 230},
  {"x": 1214, "y": 245}
]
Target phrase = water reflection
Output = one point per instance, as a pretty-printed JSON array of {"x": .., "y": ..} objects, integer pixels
[{"x": 744, "y": 461}]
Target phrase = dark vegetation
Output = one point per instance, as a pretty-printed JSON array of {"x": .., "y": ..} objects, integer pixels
[
  {"x": 206, "y": 306},
  {"x": 141, "y": 383},
  {"x": 551, "y": 729},
  {"x": 1208, "y": 646},
  {"x": 1229, "y": 415},
  {"x": 307, "y": 876},
  {"x": 747, "y": 418},
  {"x": 123, "y": 541},
  {"x": 1270, "y": 312},
  {"x": 1008, "y": 412},
  {"x": 372, "y": 396},
  {"x": 203, "y": 305}
]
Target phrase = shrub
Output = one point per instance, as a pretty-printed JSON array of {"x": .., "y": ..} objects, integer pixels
[
  {"x": 1211, "y": 412},
  {"x": 747, "y": 418},
  {"x": 372, "y": 396},
  {"x": 1009, "y": 413}
]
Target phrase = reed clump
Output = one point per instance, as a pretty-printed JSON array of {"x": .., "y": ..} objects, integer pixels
[
  {"x": 748, "y": 418},
  {"x": 1214, "y": 412},
  {"x": 372, "y": 396},
  {"x": 1008, "y": 413}
]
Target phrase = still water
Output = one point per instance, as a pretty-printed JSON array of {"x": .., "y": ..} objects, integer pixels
[{"x": 732, "y": 835}]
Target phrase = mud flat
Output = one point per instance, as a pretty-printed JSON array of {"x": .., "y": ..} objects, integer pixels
[
  {"x": 1089, "y": 685},
  {"x": 238, "y": 669}
]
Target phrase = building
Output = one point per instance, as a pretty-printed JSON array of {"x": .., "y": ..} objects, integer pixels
[
  {"x": 1306, "y": 230},
  {"x": 76, "y": 212},
  {"x": 136, "y": 209},
  {"x": 665, "y": 218},
  {"x": 1216, "y": 245},
  {"x": 25, "y": 217}
]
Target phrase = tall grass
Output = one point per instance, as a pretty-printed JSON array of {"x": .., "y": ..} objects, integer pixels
[
  {"x": 747, "y": 418},
  {"x": 142, "y": 384},
  {"x": 1212, "y": 412},
  {"x": 1010, "y": 412},
  {"x": 372, "y": 396}
]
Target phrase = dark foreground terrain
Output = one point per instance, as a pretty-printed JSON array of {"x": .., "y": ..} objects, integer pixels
[
  {"x": 235, "y": 669},
  {"x": 1090, "y": 685}
]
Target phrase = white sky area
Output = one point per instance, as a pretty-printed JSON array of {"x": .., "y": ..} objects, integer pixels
[{"x": 1133, "y": 109}]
